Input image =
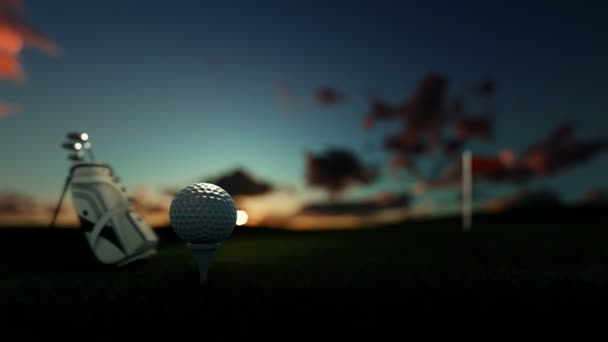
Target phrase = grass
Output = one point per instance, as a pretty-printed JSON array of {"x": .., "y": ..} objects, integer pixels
[{"x": 518, "y": 263}]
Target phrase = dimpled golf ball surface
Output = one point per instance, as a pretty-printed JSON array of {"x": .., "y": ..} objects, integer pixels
[{"x": 203, "y": 213}]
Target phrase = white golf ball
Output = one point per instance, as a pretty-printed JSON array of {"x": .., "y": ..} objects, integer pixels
[{"x": 203, "y": 213}]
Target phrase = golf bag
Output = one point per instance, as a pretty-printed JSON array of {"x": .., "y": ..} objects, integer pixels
[{"x": 115, "y": 233}]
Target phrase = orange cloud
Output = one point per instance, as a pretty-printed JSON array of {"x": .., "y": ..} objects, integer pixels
[
  {"x": 19, "y": 209},
  {"x": 7, "y": 110},
  {"x": 15, "y": 33}
]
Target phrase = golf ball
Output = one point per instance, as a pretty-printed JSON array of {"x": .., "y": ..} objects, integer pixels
[{"x": 203, "y": 213}]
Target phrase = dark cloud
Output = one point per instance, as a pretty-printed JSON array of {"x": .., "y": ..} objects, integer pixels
[
  {"x": 336, "y": 170},
  {"x": 516, "y": 174},
  {"x": 423, "y": 113},
  {"x": 451, "y": 147},
  {"x": 236, "y": 182},
  {"x": 431, "y": 121},
  {"x": 380, "y": 110},
  {"x": 562, "y": 133},
  {"x": 240, "y": 183},
  {"x": 525, "y": 199},
  {"x": 17, "y": 203},
  {"x": 467, "y": 128},
  {"x": 595, "y": 197},
  {"x": 560, "y": 150},
  {"x": 406, "y": 142},
  {"x": 328, "y": 96},
  {"x": 485, "y": 88},
  {"x": 365, "y": 207}
]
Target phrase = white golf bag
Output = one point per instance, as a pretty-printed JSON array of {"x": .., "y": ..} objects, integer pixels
[{"x": 115, "y": 233}]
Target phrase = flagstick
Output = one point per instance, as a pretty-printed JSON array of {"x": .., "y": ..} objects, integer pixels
[{"x": 467, "y": 180}]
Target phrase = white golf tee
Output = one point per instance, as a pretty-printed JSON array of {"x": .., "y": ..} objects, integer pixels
[{"x": 203, "y": 252}]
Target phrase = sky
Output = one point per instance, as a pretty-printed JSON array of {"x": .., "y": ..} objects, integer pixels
[{"x": 172, "y": 92}]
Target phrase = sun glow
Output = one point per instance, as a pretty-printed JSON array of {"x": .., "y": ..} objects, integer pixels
[{"x": 241, "y": 217}]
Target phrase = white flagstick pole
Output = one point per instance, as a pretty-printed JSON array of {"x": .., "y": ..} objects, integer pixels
[{"x": 467, "y": 180}]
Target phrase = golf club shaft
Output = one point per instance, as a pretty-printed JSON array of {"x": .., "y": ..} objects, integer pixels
[{"x": 91, "y": 155}]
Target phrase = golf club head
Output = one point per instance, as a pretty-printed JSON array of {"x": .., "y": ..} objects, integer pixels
[
  {"x": 79, "y": 142},
  {"x": 78, "y": 136},
  {"x": 72, "y": 146}
]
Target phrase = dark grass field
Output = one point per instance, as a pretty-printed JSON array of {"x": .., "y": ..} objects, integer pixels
[{"x": 526, "y": 263}]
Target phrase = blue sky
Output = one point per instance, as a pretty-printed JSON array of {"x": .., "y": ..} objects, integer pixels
[{"x": 137, "y": 77}]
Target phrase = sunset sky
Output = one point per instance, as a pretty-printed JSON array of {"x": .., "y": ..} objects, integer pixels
[{"x": 173, "y": 92}]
